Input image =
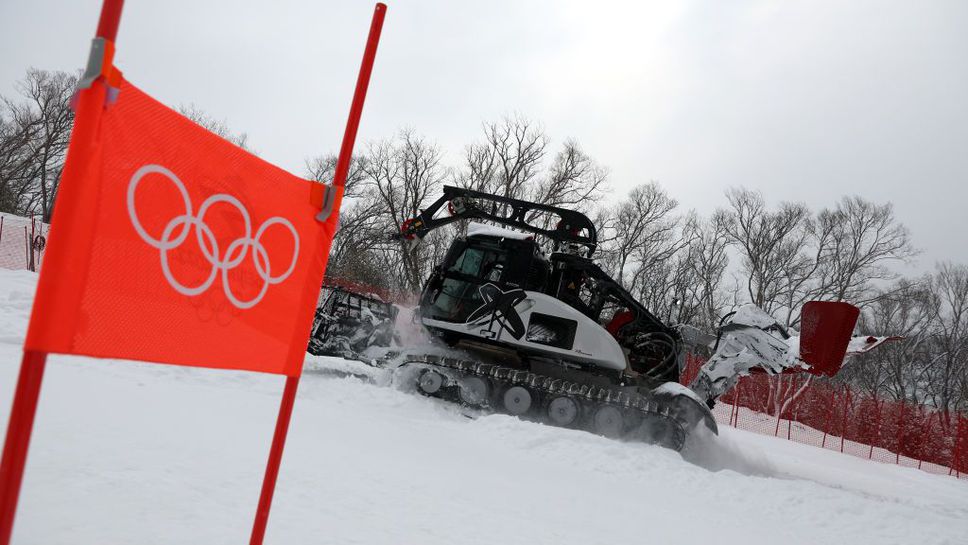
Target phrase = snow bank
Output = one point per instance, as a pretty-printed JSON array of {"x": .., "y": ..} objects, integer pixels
[{"x": 135, "y": 453}]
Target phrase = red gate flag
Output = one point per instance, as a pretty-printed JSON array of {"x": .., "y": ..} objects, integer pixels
[{"x": 170, "y": 244}]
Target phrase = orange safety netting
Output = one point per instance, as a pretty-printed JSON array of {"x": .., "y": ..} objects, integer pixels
[{"x": 833, "y": 416}]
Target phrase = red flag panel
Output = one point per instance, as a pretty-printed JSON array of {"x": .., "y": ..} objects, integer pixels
[
  {"x": 825, "y": 329},
  {"x": 170, "y": 244}
]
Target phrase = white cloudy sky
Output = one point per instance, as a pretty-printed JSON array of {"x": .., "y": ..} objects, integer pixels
[{"x": 805, "y": 99}]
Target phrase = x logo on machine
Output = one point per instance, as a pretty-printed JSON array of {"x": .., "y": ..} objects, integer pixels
[{"x": 500, "y": 305}]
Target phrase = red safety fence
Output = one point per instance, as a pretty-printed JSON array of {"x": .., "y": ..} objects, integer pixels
[
  {"x": 22, "y": 242},
  {"x": 834, "y": 416}
]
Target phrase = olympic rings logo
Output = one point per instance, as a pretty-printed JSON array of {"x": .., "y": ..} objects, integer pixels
[{"x": 234, "y": 254}]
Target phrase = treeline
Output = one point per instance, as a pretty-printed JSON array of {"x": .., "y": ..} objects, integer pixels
[{"x": 686, "y": 266}]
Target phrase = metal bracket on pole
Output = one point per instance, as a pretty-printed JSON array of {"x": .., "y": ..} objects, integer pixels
[
  {"x": 99, "y": 64},
  {"x": 329, "y": 199},
  {"x": 95, "y": 63}
]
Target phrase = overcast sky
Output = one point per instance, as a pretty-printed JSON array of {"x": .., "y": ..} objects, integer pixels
[{"x": 806, "y": 100}]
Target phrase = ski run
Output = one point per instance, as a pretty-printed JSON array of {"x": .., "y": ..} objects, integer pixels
[{"x": 132, "y": 453}]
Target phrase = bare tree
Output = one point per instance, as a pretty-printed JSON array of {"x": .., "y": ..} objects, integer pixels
[
  {"x": 661, "y": 284},
  {"x": 510, "y": 163},
  {"x": 770, "y": 243},
  {"x": 949, "y": 362},
  {"x": 930, "y": 363},
  {"x": 507, "y": 160},
  {"x": 34, "y": 135},
  {"x": 404, "y": 175},
  {"x": 355, "y": 253},
  {"x": 706, "y": 258},
  {"x": 573, "y": 181},
  {"x": 16, "y": 160},
  {"x": 643, "y": 228},
  {"x": 898, "y": 369},
  {"x": 862, "y": 238}
]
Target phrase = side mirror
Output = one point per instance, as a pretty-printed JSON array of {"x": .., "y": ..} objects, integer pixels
[{"x": 825, "y": 332}]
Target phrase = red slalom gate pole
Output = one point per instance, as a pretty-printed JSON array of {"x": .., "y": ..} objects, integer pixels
[
  {"x": 359, "y": 96},
  {"x": 18, "y": 438},
  {"x": 339, "y": 179},
  {"x": 107, "y": 24},
  {"x": 275, "y": 459},
  {"x": 32, "y": 366}
]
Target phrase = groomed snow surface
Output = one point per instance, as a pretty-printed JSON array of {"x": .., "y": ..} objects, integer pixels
[{"x": 131, "y": 453}]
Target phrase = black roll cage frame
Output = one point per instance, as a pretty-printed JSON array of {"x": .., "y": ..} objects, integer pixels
[{"x": 572, "y": 227}]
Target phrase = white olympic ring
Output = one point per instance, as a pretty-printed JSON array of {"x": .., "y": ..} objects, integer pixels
[{"x": 235, "y": 252}]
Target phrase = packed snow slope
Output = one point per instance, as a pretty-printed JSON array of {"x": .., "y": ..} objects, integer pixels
[{"x": 131, "y": 453}]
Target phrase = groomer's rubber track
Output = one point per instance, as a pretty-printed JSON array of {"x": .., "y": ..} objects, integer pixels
[{"x": 590, "y": 397}]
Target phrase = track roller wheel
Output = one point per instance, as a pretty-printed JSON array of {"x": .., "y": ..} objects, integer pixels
[
  {"x": 430, "y": 382},
  {"x": 563, "y": 411},
  {"x": 608, "y": 421},
  {"x": 473, "y": 391},
  {"x": 517, "y": 400}
]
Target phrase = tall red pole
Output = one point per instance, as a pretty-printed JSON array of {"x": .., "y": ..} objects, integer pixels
[
  {"x": 107, "y": 24},
  {"x": 339, "y": 179},
  {"x": 275, "y": 459},
  {"x": 356, "y": 108},
  {"x": 32, "y": 369},
  {"x": 18, "y": 438}
]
